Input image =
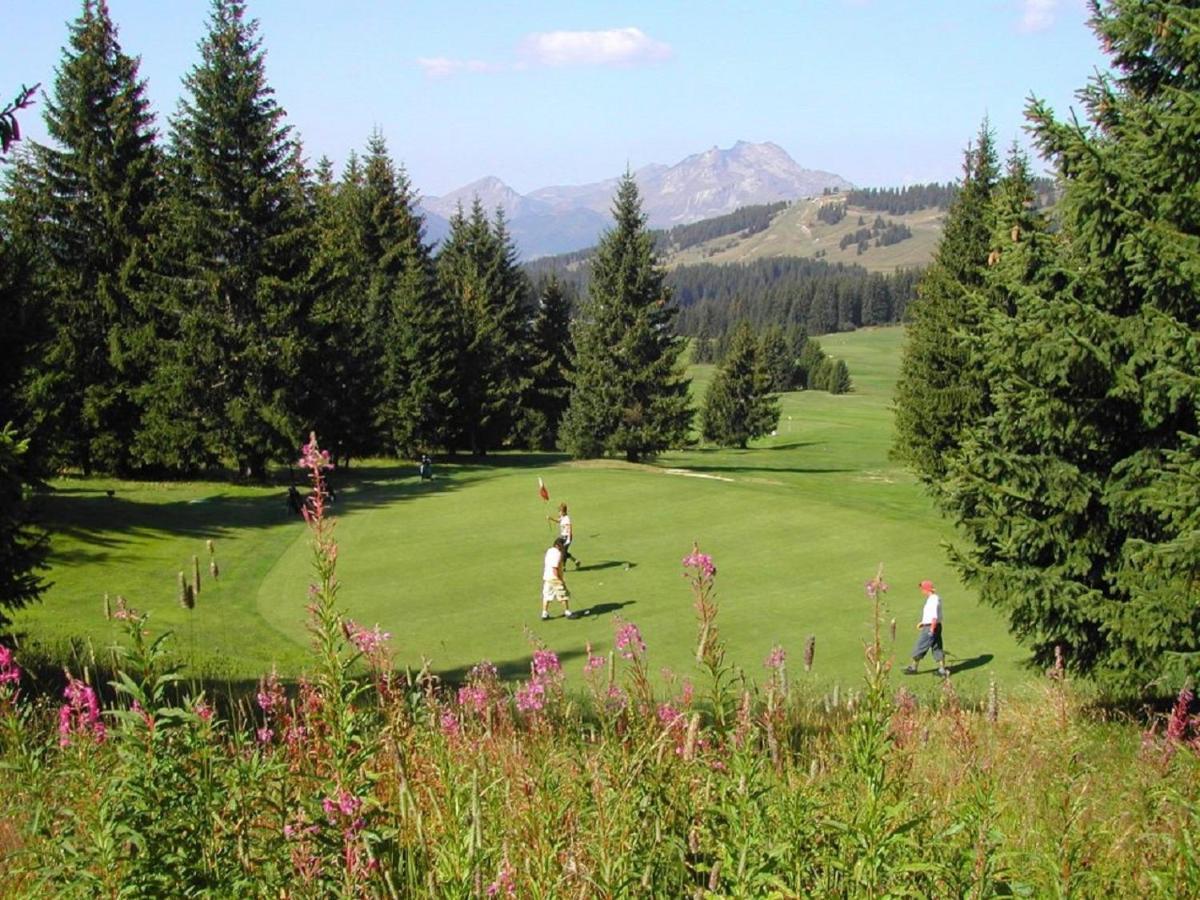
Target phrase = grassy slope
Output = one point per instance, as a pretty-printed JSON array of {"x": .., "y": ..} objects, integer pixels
[
  {"x": 796, "y": 525},
  {"x": 798, "y": 232}
]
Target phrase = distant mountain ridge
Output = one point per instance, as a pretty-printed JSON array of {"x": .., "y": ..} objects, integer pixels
[{"x": 563, "y": 218}]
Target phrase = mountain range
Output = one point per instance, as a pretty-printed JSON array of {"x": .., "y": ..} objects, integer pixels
[{"x": 560, "y": 219}]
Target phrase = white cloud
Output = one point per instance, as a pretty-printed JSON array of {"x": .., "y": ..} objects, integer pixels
[
  {"x": 613, "y": 47},
  {"x": 1037, "y": 15},
  {"x": 442, "y": 67}
]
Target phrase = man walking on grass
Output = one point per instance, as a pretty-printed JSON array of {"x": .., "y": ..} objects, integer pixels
[
  {"x": 929, "y": 632},
  {"x": 553, "y": 587}
]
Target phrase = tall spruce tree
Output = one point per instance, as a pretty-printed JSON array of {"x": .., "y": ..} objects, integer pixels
[
  {"x": 480, "y": 279},
  {"x": 937, "y": 392},
  {"x": 399, "y": 283},
  {"x": 422, "y": 340},
  {"x": 628, "y": 394},
  {"x": 235, "y": 261},
  {"x": 23, "y": 321},
  {"x": 1079, "y": 490},
  {"x": 96, "y": 188},
  {"x": 23, "y": 546},
  {"x": 342, "y": 392},
  {"x": 739, "y": 405},
  {"x": 777, "y": 359},
  {"x": 549, "y": 367}
]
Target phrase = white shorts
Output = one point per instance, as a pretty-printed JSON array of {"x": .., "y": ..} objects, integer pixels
[{"x": 553, "y": 589}]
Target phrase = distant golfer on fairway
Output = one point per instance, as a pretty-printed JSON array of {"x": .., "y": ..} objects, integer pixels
[
  {"x": 566, "y": 531},
  {"x": 929, "y": 632},
  {"x": 553, "y": 587}
]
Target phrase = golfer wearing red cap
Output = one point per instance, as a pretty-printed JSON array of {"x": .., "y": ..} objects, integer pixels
[{"x": 929, "y": 632}]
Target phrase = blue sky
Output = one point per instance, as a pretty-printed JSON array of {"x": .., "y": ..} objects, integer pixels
[{"x": 881, "y": 92}]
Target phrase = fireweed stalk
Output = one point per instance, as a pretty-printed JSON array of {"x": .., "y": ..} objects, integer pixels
[
  {"x": 701, "y": 575},
  {"x": 351, "y": 741}
]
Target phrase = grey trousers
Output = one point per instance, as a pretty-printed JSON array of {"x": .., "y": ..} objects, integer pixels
[{"x": 928, "y": 640}]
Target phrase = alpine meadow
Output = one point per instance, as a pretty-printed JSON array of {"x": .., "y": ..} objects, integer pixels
[{"x": 591, "y": 542}]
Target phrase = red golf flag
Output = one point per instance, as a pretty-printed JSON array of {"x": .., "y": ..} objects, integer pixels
[{"x": 542, "y": 492}]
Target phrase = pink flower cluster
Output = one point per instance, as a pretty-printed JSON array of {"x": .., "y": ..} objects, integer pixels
[
  {"x": 272, "y": 702},
  {"x": 450, "y": 725},
  {"x": 776, "y": 658},
  {"x": 505, "y": 884},
  {"x": 203, "y": 710},
  {"x": 593, "y": 663},
  {"x": 270, "y": 693},
  {"x": 10, "y": 672},
  {"x": 368, "y": 643},
  {"x": 629, "y": 641},
  {"x": 875, "y": 587},
  {"x": 531, "y": 696},
  {"x": 304, "y": 859},
  {"x": 476, "y": 695},
  {"x": 313, "y": 457},
  {"x": 545, "y": 664},
  {"x": 124, "y": 612},
  {"x": 344, "y": 803},
  {"x": 1183, "y": 730},
  {"x": 701, "y": 562},
  {"x": 79, "y": 717}
]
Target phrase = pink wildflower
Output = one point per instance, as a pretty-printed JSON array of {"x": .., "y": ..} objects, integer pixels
[
  {"x": 776, "y": 659},
  {"x": 875, "y": 587},
  {"x": 483, "y": 671},
  {"x": 203, "y": 710},
  {"x": 505, "y": 884},
  {"x": 344, "y": 805},
  {"x": 270, "y": 693},
  {"x": 450, "y": 725},
  {"x": 593, "y": 663},
  {"x": 474, "y": 697},
  {"x": 701, "y": 562},
  {"x": 616, "y": 699},
  {"x": 629, "y": 641},
  {"x": 366, "y": 642},
  {"x": 10, "y": 672},
  {"x": 265, "y": 735},
  {"x": 124, "y": 613},
  {"x": 1177, "y": 724},
  {"x": 545, "y": 663},
  {"x": 313, "y": 457},
  {"x": 80, "y": 715},
  {"x": 531, "y": 696}
]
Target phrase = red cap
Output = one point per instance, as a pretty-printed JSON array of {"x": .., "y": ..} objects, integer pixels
[{"x": 926, "y": 585}]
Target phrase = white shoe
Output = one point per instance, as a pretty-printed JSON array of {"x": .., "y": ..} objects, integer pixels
[
  {"x": 545, "y": 615},
  {"x": 569, "y": 614}
]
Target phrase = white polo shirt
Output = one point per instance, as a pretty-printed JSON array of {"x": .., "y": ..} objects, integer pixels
[
  {"x": 932, "y": 611},
  {"x": 553, "y": 560},
  {"x": 564, "y": 527}
]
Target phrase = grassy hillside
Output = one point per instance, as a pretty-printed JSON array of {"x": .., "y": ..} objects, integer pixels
[
  {"x": 796, "y": 524},
  {"x": 797, "y": 231}
]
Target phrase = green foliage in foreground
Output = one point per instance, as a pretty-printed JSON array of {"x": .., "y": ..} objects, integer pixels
[{"x": 392, "y": 786}]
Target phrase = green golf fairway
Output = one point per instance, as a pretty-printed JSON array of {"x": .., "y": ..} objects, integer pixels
[{"x": 452, "y": 568}]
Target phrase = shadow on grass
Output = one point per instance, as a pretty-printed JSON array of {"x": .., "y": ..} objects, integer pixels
[
  {"x": 107, "y": 518},
  {"x": 606, "y": 564},
  {"x": 965, "y": 665},
  {"x": 604, "y": 609}
]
